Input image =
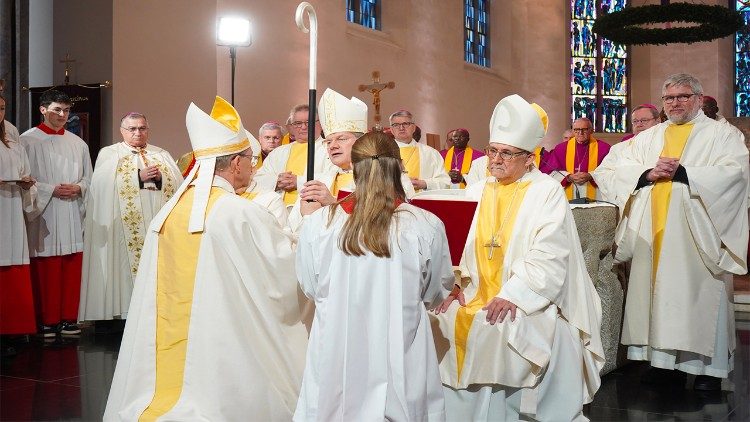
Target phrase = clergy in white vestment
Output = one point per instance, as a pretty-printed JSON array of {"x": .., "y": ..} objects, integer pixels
[
  {"x": 213, "y": 330},
  {"x": 267, "y": 198},
  {"x": 343, "y": 121},
  {"x": 373, "y": 264},
  {"x": 519, "y": 338},
  {"x": 61, "y": 165},
  {"x": 132, "y": 180},
  {"x": 285, "y": 168},
  {"x": 683, "y": 186},
  {"x": 17, "y": 195},
  {"x": 478, "y": 170},
  {"x": 422, "y": 163},
  {"x": 643, "y": 117}
]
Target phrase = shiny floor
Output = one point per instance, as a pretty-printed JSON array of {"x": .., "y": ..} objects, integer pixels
[{"x": 68, "y": 380}]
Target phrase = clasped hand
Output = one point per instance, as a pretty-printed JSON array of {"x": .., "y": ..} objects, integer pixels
[
  {"x": 149, "y": 173},
  {"x": 287, "y": 182},
  {"x": 664, "y": 169},
  {"x": 580, "y": 177},
  {"x": 66, "y": 191}
]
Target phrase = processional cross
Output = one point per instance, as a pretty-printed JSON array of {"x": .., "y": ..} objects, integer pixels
[
  {"x": 67, "y": 60},
  {"x": 375, "y": 88}
]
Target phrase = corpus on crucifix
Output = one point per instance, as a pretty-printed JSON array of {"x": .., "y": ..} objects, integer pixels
[{"x": 375, "y": 88}]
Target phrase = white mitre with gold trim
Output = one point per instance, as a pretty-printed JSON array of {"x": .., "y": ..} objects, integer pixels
[
  {"x": 517, "y": 123},
  {"x": 218, "y": 134},
  {"x": 340, "y": 114}
]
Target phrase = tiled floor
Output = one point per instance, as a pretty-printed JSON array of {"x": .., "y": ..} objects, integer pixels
[{"x": 68, "y": 380}]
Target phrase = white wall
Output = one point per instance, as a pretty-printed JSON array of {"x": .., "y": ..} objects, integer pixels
[{"x": 41, "y": 56}]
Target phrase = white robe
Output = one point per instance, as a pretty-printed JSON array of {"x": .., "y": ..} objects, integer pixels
[
  {"x": 371, "y": 355},
  {"x": 271, "y": 201},
  {"x": 14, "y": 201},
  {"x": 118, "y": 213},
  {"x": 431, "y": 167},
  {"x": 57, "y": 227},
  {"x": 477, "y": 171},
  {"x": 705, "y": 241},
  {"x": 246, "y": 344},
  {"x": 544, "y": 274},
  {"x": 275, "y": 164}
]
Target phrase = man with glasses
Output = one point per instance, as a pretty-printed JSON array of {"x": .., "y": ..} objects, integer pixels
[
  {"x": 518, "y": 338},
  {"x": 344, "y": 121},
  {"x": 644, "y": 116},
  {"x": 573, "y": 161},
  {"x": 422, "y": 163},
  {"x": 61, "y": 165},
  {"x": 683, "y": 186},
  {"x": 269, "y": 135},
  {"x": 285, "y": 168},
  {"x": 132, "y": 180},
  {"x": 216, "y": 298}
]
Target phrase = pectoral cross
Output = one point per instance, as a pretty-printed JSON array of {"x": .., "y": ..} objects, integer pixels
[
  {"x": 374, "y": 88},
  {"x": 492, "y": 244},
  {"x": 67, "y": 60}
]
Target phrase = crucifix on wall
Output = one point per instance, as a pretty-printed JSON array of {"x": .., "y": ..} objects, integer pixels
[{"x": 375, "y": 88}]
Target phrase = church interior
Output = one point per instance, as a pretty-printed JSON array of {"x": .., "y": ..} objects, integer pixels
[{"x": 157, "y": 57}]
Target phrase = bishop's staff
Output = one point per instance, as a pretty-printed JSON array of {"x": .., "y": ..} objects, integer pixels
[{"x": 313, "y": 101}]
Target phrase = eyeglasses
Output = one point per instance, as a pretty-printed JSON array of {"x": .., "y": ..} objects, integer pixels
[
  {"x": 58, "y": 110},
  {"x": 401, "y": 125},
  {"x": 133, "y": 129},
  {"x": 505, "y": 155},
  {"x": 640, "y": 121},
  {"x": 683, "y": 98},
  {"x": 301, "y": 123},
  {"x": 581, "y": 130},
  {"x": 267, "y": 138},
  {"x": 253, "y": 159}
]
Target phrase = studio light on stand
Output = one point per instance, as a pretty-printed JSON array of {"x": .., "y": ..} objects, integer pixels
[{"x": 233, "y": 32}]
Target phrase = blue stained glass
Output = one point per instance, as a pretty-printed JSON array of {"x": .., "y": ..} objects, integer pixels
[
  {"x": 584, "y": 9},
  {"x": 363, "y": 12},
  {"x": 476, "y": 42},
  {"x": 742, "y": 62},
  {"x": 584, "y": 76},
  {"x": 584, "y": 106},
  {"x": 614, "y": 114}
]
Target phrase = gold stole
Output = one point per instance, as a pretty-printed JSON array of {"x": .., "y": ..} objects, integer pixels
[
  {"x": 175, "y": 280},
  {"x": 410, "y": 158},
  {"x": 285, "y": 140},
  {"x": 296, "y": 164},
  {"x": 570, "y": 154},
  {"x": 537, "y": 156},
  {"x": 493, "y": 210},
  {"x": 341, "y": 181},
  {"x": 260, "y": 161},
  {"x": 465, "y": 162},
  {"x": 675, "y": 139}
]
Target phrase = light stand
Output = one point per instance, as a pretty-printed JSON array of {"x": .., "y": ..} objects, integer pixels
[{"x": 233, "y": 32}]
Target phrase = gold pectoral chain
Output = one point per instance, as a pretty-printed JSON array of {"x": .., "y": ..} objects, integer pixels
[{"x": 494, "y": 240}]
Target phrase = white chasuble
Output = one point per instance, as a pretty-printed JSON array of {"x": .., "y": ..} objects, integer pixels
[{"x": 118, "y": 213}]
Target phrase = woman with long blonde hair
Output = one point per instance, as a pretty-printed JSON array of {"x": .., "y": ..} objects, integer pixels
[{"x": 373, "y": 264}]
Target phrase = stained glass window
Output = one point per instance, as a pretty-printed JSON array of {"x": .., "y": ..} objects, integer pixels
[
  {"x": 476, "y": 32},
  {"x": 742, "y": 62},
  {"x": 598, "y": 69},
  {"x": 364, "y": 12}
]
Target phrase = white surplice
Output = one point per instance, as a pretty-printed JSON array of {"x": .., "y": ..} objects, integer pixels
[
  {"x": 371, "y": 355},
  {"x": 275, "y": 164},
  {"x": 270, "y": 200},
  {"x": 14, "y": 201},
  {"x": 11, "y": 132},
  {"x": 431, "y": 165},
  {"x": 477, "y": 171},
  {"x": 57, "y": 227},
  {"x": 685, "y": 311},
  {"x": 558, "y": 317},
  {"x": 246, "y": 344},
  {"x": 118, "y": 213}
]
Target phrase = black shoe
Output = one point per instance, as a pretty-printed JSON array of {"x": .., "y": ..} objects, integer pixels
[
  {"x": 69, "y": 329},
  {"x": 707, "y": 383},
  {"x": 48, "y": 331}
]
